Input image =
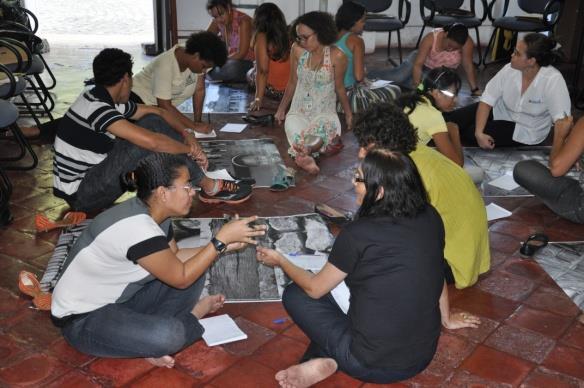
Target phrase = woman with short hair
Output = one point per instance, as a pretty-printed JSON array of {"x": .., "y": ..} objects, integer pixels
[
  {"x": 126, "y": 290},
  {"x": 391, "y": 258}
]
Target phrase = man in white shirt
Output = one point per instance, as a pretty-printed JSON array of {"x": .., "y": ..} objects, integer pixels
[{"x": 178, "y": 74}]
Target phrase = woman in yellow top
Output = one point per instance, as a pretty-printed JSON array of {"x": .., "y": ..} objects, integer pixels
[{"x": 271, "y": 44}]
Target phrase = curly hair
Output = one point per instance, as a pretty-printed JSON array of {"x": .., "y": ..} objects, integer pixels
[
  {"x": 404, "y": 194},
  {"x": 270, "y": 20},
  {"x": 321, "y": 23},
  {"x": 110, "y": 66},
  {"x": 209, "y": 46},
  {"x": 157, "y": 169},
  {"x": 385, "y": 125}
]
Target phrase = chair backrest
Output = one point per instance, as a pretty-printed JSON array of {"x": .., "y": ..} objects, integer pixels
[
  {"x": 537, "y": 6},
  {"x": 373, "y": 6},
  {"x": 443, "y": 4}
]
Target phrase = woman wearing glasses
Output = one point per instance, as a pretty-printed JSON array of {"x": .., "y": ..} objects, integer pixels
[
  {"x": 317, "y": 69},
  {"x": 390, "y": 258},
  {"x": 127, "y": 291},
  {"x": 521, "y": 102},
  {"x": 424, "y": 106},
  {"x": 235, "y": 29}
]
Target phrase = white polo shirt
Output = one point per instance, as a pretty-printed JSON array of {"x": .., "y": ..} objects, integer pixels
[
  {"x": 545, "y": 101},
  {"x": 163, "y": 79}
]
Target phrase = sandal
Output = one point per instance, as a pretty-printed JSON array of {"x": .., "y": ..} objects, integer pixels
[
  {"x": 43, "y": 224},
  {"x": 29, "y": 285},
  {"x": 333, "y": 215},
  {"x": 261, "y": 120},
  {"x": 533, "y": 243},
  {"x": 283, "y": 179}
]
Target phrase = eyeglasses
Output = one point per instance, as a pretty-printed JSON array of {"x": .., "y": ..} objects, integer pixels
[
  {"x": 303, "y": 38},
  {"x": 357, "y": 178},
  {"x": 448, "y": 93},
  {"x": 188, "y": 188}
]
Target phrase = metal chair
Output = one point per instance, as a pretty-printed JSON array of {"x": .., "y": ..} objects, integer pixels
[
  {"x": 445, "y": 12},
  {"x": 5, "y": 193},
  {"x": 549, "y": 12},
  {"x": 383, "y": 23},
  {"x": 8, "y": 118}
]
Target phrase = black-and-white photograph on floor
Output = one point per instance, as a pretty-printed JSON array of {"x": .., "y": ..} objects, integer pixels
[{"x": 238, "y": 275}]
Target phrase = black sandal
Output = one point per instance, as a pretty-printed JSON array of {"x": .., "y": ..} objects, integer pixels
[
  {"x": 533, "y": 244},
  {"x": 261, "y": 120}
]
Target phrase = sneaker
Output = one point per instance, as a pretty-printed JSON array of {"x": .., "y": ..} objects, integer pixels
[{"x": 228, "y": 192}]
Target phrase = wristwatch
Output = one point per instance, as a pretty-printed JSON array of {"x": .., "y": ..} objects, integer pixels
[{"x": 220, "y": 246}]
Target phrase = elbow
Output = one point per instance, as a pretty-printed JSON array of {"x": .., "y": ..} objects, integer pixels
[{"x": 314, "y": 293}]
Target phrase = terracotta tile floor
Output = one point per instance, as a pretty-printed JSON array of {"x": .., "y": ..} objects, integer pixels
[{"x": 530, "y": 336}]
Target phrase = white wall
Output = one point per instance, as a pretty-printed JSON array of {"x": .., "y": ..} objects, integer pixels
[{"x": 192, "y": 16}]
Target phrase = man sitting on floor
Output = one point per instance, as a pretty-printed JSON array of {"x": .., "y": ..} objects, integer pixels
[
  {"x": 449, "y": 187},
  {"x": 178, "y": 74},
  {"x": 97, "y": 143}
]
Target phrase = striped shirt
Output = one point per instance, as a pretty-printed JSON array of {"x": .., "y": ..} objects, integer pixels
[
  {"x": 102, "y": 267},
  {"x": 83, "y": 139}
]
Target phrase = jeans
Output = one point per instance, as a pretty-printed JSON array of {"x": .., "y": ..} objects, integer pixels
[
  {"x": 329, "y": 330},
  {"x": 401, "y": 75},
  {"x": 102, "y": 183},
  {"x": 563, "y": 195},
  {"x": 155, "y": 322},
  {"x": 234, "y": 70}
]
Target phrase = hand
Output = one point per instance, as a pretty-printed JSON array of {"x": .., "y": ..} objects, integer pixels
[
  {"x": 238, "y": 230},
  {"x": 349, "y": 119},
  {"x": 280, "y": 116},
  {"x": 203, "y": 127},
  {"x": 198, "y": 155},
  {"x": 268, "y": 256},
  {"x": 485, "y": 141},
  {"x": 461, "y": 320},
  {"x": 255, "y": 104}
]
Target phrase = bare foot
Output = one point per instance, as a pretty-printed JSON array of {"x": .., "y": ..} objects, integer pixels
[
  {"x": 307, "y": 373},
  {"x": 307, "y": 163},
  {"x": 164, "y": 361},
  {"x": 207, "y": 305}
]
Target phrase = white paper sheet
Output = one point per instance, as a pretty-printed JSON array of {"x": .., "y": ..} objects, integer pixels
[
  {"x": 495, "y": 212},
  {"x": 209, "y": 135},
  {"x": 221, "y": 329},
  {"x": 308, "y": 262},
  {"x": 219, "y": 174},
  {"x": 379, "y": 84},
  {"x": 342, "y": 296},
  {"x": 505, "y": 182},
  {"x": 233, "y": 128}
]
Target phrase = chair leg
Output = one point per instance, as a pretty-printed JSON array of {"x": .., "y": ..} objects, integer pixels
[
  {"x": 491, "y": 40},
  {"x": 24, "y": 146},
  {"x": 30, "y": 110},
  {"x": 53, "y": 79},
  {"x": 479, "y": 45},
  {"x": 399, "y": 48},
  {"x": 389, "y": 50},
  {"x": 420, "y": 37}
]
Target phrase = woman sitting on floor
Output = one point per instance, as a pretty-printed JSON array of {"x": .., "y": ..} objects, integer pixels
[
  {"x": 449, "y": 46},
  {"x": 316, "y": 75},
  {"x": 391, "y": 258},
  {"x": 527, "y": 97},
  {"x": 235, "y": 29},
  {"x": 127, "y": 291},
  {"x": 350, "y": 20},
  {"x": 563, "y": 195},
  {"x": 271, "y": 44}
]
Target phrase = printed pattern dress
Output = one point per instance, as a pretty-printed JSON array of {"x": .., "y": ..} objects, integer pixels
[{"x": 313, "y": 109}]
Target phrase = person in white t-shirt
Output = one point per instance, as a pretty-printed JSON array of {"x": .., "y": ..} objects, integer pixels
[
  {"x": 520, "y": 103},
  {"x": 179, "y": 74}
]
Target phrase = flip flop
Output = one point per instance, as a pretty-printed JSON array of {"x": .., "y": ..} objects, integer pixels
[
  {"x": 43, "y": 224},
  {"x": 533, "y": 243},
  {"x": 333, "y": 215},
  {"x": 263, "y": 120},
  {"x": 283, "y": 179},
  {"x": 29, "y": 285}
]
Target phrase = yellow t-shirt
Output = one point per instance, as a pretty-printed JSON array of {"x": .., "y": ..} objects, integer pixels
[
  {"x": 427, "y": 119},
  {"x": 462, "y": 209}
]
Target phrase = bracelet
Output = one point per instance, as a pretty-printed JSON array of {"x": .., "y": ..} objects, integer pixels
[{"x": 257, "y": 99}]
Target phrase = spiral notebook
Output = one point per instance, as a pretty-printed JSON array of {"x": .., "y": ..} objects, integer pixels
[{"x": 221, "y": 329}]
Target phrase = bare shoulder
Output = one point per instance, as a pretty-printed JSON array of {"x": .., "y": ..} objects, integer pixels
[{"x": 337, "y": 54}]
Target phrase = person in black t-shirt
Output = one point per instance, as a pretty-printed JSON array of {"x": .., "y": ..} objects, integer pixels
[{"x": 391, "y": 260}]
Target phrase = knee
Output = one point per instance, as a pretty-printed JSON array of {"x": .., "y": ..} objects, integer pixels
[
  {"x": 527, "y": 171},
  {"x": 293, "y": 298},
  {"x": 169, "y": 339}
]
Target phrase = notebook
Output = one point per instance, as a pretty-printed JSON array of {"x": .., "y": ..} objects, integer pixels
[{"x": 221, "y": 329}]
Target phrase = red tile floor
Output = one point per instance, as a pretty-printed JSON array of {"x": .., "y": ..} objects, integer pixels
[{"x": 531, "y": 334}]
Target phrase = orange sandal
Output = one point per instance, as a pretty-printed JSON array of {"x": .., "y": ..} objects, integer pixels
[
  {"x": 43, "y": 224},
  {"x": 29, "y": 285}
]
